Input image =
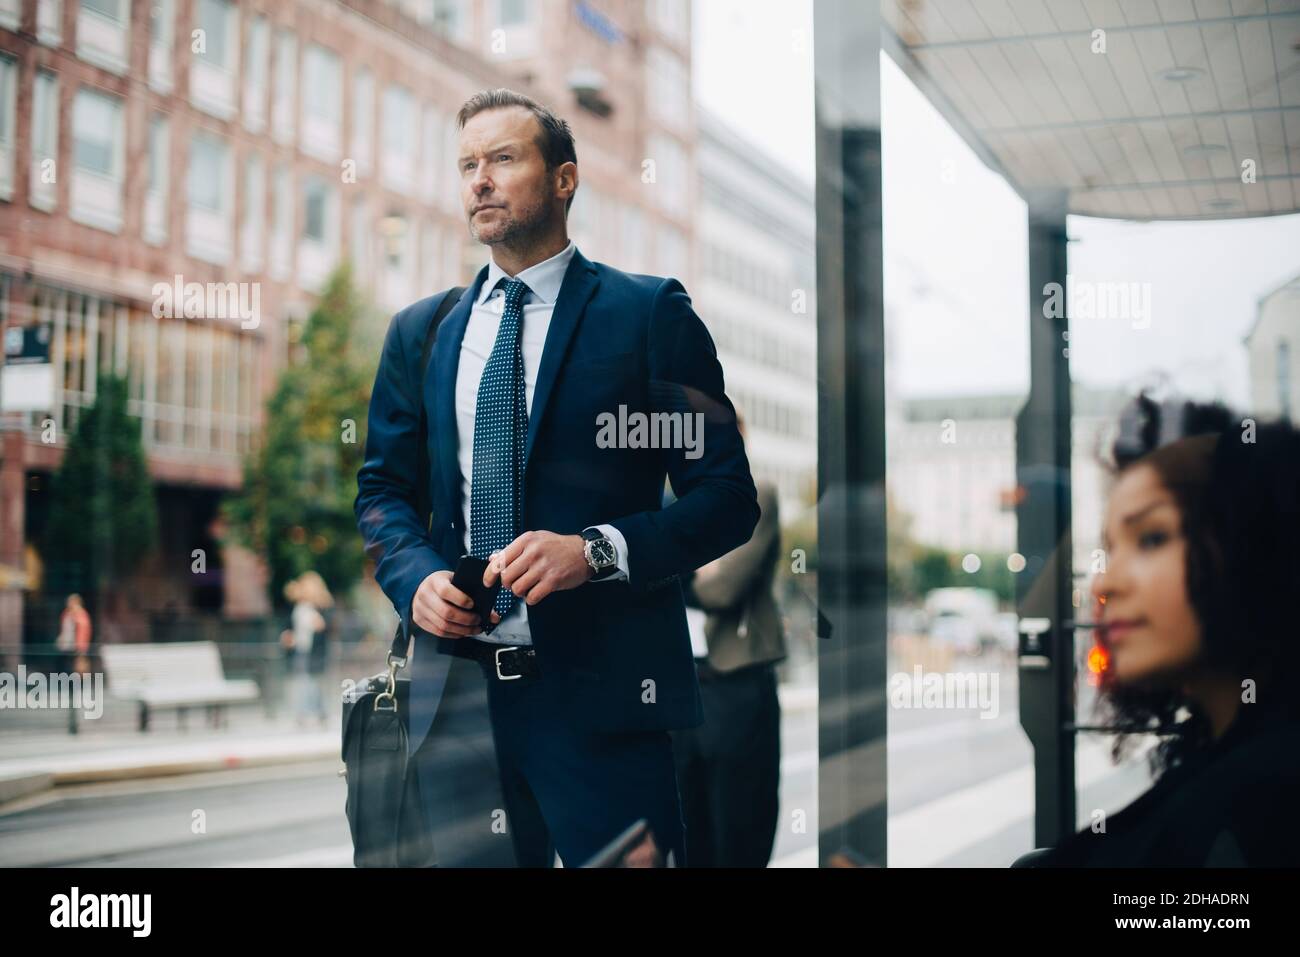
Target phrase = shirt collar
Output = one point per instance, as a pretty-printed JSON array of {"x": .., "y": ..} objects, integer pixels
[{"x": 543, "y": 278}]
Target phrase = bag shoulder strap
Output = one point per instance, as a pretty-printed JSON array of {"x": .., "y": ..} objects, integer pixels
[
  {"x": 423, "y": 506},
  {"x": 447, "y": 305}
]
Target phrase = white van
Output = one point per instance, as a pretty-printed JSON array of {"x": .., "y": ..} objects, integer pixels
[{"x": 963, "y": 619}]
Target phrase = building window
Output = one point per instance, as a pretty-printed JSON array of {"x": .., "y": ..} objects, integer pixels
[
  {"x": 97, "y": 159},
  {"x": 671, "y": 178},
  {"x": 513, "y": 12},
  {"x": 602, "y": 214},
  {"x": 669, "y": 87},
  {"x": 580, "y": 218},
  {"x": 256, "y": 68},
  {"x": 162, "y": 22},
  {"x": 670, "y": 17},
  {"x": 450, "y": 175},
  {"x": 11, "y": 13},
  {"x": 169, "y": 381},
  {"x": 670, "y": 253},
  {"x": 451, "y": 19},
  {"x": 281, "y": 224},
  {"x": 211, "y": 188},
  {"x": 282, "y": 112},
  {"x": 633, "y": 239},
  {"x": 399, "y": 259},
  {"x": 318, "y": 249},
  {"x": 516, "y": 21},
  {"x": 8, "y": 118},
  {"x": 253, "y": 229},
  {"x": 360, "y": 242},
  {"x": 363, "y": 120},
  {"x": 430, "y": 258},
  {"x": 155, "y": 197},
  {"x": 313, "y": 212},
  {"x": 42, "y": 193},
  {"x": 400, "y": 125},
  {"x": 49, "y": 21},
  {"x": 322, "y": 103},
  {"x": 452, "y": 259},
  {"x": 431, "y": 163},
  {"x": 102, "y": 33},
  {"x": 213, "y": 70}
]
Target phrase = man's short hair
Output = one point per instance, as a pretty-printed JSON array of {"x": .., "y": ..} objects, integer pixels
[{"x": 555, "y": 140}]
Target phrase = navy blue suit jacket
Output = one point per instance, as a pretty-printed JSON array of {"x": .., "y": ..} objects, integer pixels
[{"x": 617, "y": 653}]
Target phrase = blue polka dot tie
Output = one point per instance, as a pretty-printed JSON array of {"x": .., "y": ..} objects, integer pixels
[{"x": 500, "y": 431}]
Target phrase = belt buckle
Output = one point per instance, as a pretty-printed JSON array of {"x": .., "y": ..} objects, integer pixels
[{"x": 497, "y": 656}]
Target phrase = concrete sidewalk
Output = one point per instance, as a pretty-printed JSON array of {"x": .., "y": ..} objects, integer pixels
[
  {"x": 34, "y": 759},
  {"x": 114, "y": 757}
]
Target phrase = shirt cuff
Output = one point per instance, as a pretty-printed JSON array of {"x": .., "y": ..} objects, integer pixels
[{"x": 620, "y": 549}]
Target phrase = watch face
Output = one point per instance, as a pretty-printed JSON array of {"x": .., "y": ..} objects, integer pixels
[{"x": 602, "y": 553}]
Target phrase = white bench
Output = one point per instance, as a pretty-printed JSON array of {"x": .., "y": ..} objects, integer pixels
[{"x": 176, "y": 675}]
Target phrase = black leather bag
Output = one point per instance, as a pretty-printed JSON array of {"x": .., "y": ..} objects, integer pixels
[{"x": 383, "y": 801}]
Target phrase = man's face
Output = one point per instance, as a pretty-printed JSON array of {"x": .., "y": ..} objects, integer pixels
[{"x": 505, "y": 187}]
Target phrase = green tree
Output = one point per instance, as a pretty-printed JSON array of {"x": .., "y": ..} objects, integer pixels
[
  {"x": 934, "y": 568},
  {"x": 995, "y": 575},
  {"x": 103, "y": 519},
  {"x": 295, "y": 507}
]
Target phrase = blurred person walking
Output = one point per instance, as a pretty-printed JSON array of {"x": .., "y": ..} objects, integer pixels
[
  {"x": 73, "y": 642},
  {"x": 307, "y": 645},
  {"x": 729, "y": 768}
]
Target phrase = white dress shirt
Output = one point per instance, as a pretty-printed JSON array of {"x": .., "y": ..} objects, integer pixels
[{"x": 543, "y": 281}]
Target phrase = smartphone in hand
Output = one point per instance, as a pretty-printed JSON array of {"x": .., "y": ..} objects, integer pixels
[{"x": 468, "y": 577}]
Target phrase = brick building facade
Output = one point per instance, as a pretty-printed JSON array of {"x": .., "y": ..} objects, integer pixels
[{"x": 263, "y": 142}]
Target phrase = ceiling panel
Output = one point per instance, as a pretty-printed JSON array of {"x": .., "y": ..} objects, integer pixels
[
  {"x": 999, "y": 17},
  {"x": 1157, "y": 125},
  {"x": 1033, "y": 16},
  {"x": 1078, "y": 95}
]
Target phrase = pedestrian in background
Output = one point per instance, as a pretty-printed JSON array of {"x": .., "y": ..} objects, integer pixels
[
  {"x": 729, "y": 768},
  {"x": 307, "y": 645},
  {"x": 73, "y": 641}
]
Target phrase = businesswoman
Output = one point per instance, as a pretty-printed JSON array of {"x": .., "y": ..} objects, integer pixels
[{"x": 1196, "y": 608}]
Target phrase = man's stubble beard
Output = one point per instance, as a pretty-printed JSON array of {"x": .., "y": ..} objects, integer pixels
[{"x": 518, "y": 231}]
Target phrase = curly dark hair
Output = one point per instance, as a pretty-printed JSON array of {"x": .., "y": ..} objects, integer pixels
[{"x": 1236, "y": 482}]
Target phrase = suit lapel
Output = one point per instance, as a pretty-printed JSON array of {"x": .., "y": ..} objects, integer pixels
[
  {"x": 440, "y": 391},
  {"x": 579, "y": 283}
]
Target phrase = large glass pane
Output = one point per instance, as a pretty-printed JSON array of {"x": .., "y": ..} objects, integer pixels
[
  {"x": 95, "y": 124},
  {"x": 208, "y": 160},
  {"x": 214, "y": 18}
]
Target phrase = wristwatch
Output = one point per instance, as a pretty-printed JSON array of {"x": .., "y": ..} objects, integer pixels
[{"x": 601, "y": 553}]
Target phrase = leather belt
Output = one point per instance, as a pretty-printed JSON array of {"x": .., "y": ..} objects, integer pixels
[{"x": 500, "y": 662}]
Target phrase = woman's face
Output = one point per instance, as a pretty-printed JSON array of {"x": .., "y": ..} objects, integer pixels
[{"x": 1148, "y": 624}]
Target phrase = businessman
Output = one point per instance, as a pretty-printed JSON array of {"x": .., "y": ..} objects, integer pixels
[{"x": 586, "y": 654}]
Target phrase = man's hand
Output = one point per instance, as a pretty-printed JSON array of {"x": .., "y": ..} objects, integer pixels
[
  {"x": 440, "y": 608},
  {"x": 538, "y": 563}
]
